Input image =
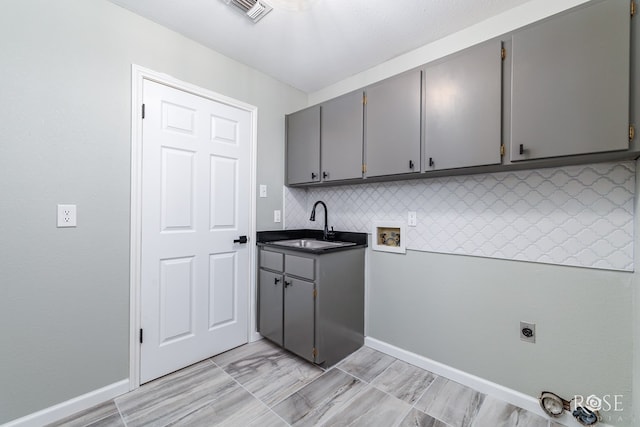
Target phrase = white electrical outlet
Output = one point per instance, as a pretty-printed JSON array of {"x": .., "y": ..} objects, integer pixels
[
  {"x": 263, "y": 190},
  {"x": 67, "y": 216},
  {"x": 412, "y": 219},
  {"x": 277, "y": 216}
]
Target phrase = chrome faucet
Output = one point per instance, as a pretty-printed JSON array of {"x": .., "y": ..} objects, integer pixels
[{"x": 325, "y": 233}]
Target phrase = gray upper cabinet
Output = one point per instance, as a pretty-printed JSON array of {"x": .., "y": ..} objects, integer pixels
[
  {"x": 561, "y": 96},
  {"x": 341, "y": 137},
  {"x": 303, "y": 146},
  {"x": 392, "y": 125},
  {"x": 570, "y": 83},
  {"x": 463, "y": 108}
]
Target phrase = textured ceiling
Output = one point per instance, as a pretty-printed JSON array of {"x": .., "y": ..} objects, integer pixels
[{"x": 329, "y": 41}]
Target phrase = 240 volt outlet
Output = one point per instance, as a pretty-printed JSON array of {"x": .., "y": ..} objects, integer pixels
[{"x": 528, "y": 332}]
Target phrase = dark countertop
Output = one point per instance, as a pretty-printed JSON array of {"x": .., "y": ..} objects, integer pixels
[{"x": 267, "y": 238}]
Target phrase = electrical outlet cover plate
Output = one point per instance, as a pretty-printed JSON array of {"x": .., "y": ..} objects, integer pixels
[
  {"x": 528, "y": 332},
  {"x": 67, "y": 216},
  {"x": 412, "y": 218}
]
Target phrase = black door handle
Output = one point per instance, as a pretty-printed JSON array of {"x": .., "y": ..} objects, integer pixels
[
  {"x": 410, "y": 164},
  {"x": 521, "y": 149},
  {"x": 241, "y": 240},
  {"x": 287, "y": 284},
  {"x": 325, "y": 175},
  {"x": 313, "y": 175},
  {"x": 430, "y": 161},
  {"x": 276, "y": 280}
]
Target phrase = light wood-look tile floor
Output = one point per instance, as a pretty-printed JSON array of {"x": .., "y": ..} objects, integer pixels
[{"x": 262, "y": 385}]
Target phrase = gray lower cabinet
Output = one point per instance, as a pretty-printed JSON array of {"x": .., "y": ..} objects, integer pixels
[
  {"x": 392, "y": 125},
  {"x": 342, "y": 137},
  {"x": 312, "y": 305},
  {"x": 270, "y": 321},
  {"x": 570, "y": 83},
  {"x": 303, "y": 146},
  {"x": 463, "y": 109},
  {"x": 299, "y": 317}
]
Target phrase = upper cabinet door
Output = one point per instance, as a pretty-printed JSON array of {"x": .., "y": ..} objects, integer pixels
[
  {"x": 570, "y": 83},
  {"x": 303, "y": 146},
  {"x": 341, "y": 134},
  {"x": 463, "y": 109},
  {"x": 393, "y": 125}
]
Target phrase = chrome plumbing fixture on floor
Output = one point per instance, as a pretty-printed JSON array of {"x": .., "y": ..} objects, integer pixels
[{"x": 554, "y": 406}]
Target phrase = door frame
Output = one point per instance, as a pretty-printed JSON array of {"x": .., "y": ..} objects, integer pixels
[{"x": 138, "y": 75}]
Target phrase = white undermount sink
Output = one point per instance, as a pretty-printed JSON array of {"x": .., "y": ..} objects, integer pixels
[{"x": 311, "y": 243}]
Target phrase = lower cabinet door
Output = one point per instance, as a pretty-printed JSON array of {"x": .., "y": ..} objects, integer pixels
[
  {"x": 299, "y": 317},
  {"x": 270, "y": 306}
]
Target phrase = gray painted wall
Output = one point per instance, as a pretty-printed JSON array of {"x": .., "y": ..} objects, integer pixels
[
  {"x": 65, "y": 80},
  {"x": 465, "y": 311}
]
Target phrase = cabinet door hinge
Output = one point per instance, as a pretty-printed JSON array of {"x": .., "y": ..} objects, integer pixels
[
  {"x": 503, "y": 53},
  {"x": 141, "y": 339},
  {"x": 143, "y": 111},
  {"x": 502, "y": 150},
  {"x": 632, "y": 132},
  {"x": 314, "y": 352},
  {"x": 315, "y": 293},
  {"x": 633, "y": 8},
  {"x": 364, "y": 168}
]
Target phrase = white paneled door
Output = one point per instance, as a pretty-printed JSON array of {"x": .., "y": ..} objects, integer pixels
[{"x": 195, "y": 203}]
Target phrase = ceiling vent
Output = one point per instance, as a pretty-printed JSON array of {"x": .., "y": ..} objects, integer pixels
[{"x": 255, "y": 10}]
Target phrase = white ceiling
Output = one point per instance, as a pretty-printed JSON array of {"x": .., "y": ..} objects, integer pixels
[{"x": 328, "y": 42}]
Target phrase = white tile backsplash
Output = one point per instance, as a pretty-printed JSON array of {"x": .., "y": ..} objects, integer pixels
[
  {"x": 296, "y": 214},
  {"x": 576, "y": 215}
]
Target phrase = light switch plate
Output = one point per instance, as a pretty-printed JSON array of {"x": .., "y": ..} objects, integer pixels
[
  {"x": 263, "y": 190},
  {"x": 277, "y": 216},
  {"x": 67, "y": 216}
]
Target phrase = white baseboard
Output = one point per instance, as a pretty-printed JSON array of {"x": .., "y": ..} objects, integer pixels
[
  {"x": 484, "y": 386},
  {"x": 71, "y": 406}
]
